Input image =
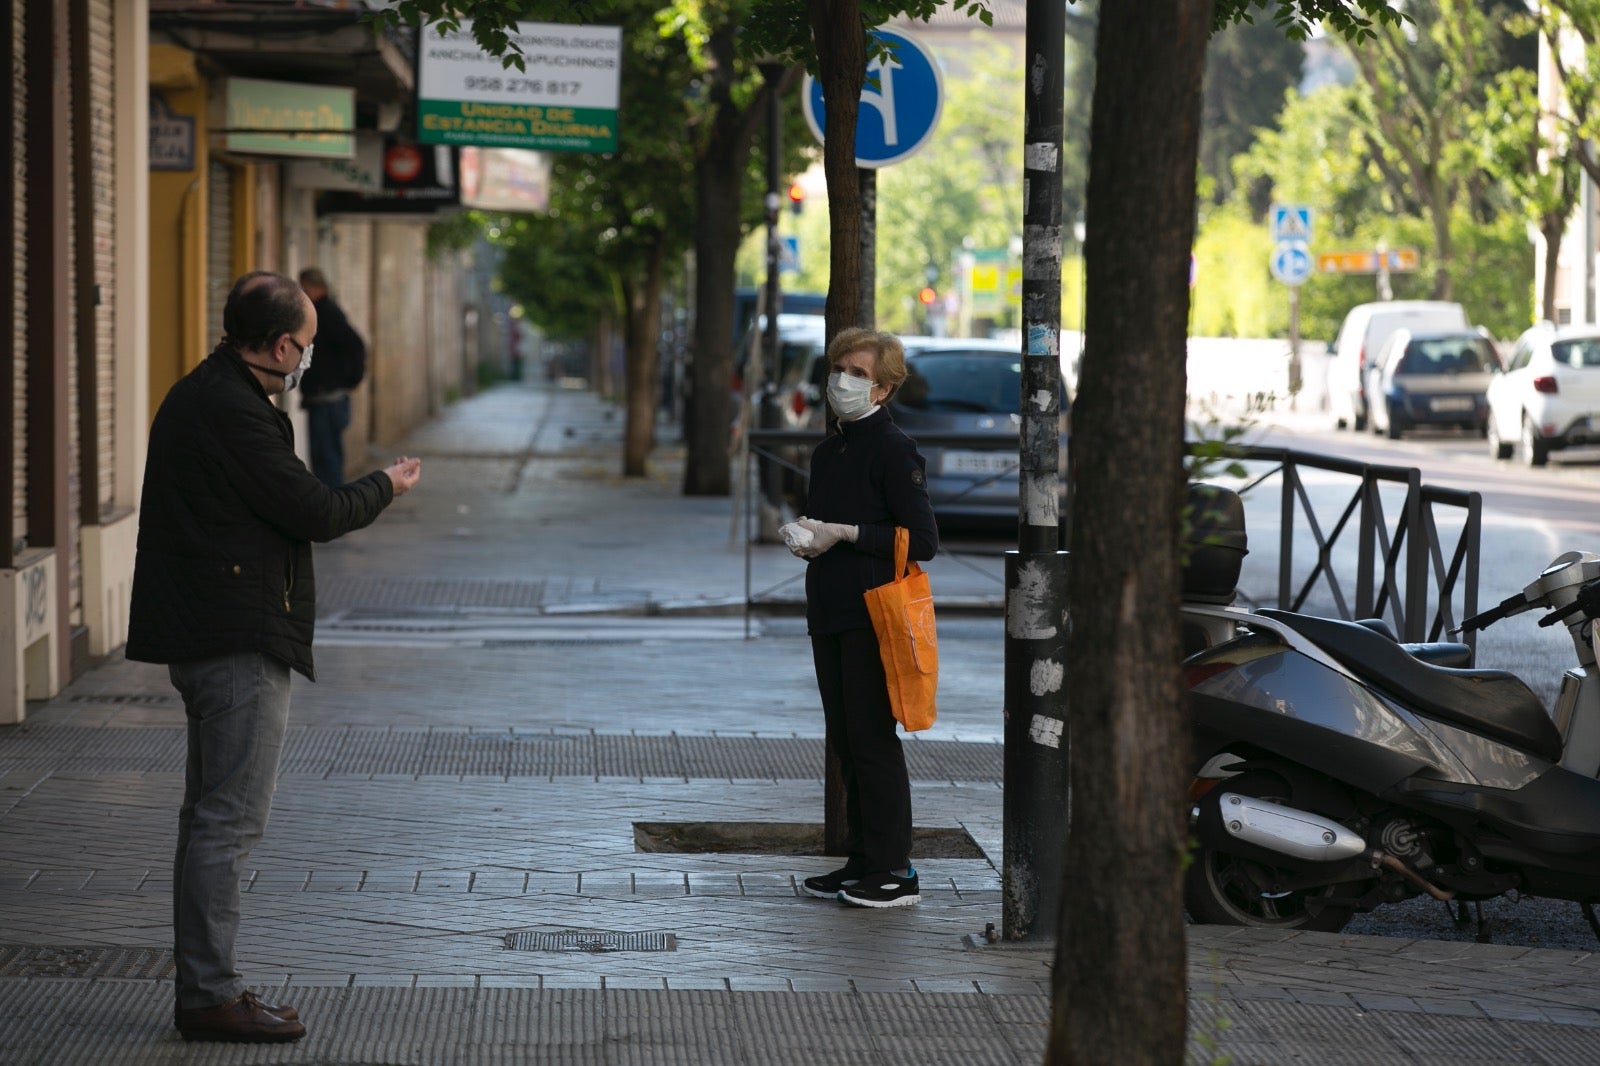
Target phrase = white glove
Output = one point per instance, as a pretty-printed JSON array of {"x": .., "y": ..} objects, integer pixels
[
  {"x": 797, "y": 537},
  {"x": 824, "y": 535}
]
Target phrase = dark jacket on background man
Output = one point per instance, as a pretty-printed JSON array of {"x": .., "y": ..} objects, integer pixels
[
  {"x": 869, "y": 475},
  {"x": 226, "y": 522},
  {"x": 340, "y": 360}
]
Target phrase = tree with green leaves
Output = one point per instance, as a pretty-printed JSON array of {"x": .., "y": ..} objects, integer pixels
[
  {"x": 1553, "y": 142},
  {"x": 1119, "y": 981},
  {"x": 1248, "y": 68},
  {"x": 1425, "y": 81}
]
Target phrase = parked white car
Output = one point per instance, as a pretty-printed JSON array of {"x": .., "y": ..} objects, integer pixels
[
  {"x": 1365, "y": 328},
  {"x": 1548, "y": 398}
]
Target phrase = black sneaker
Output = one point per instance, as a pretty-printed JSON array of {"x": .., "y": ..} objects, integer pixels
[
  {"x": 882, "y": 890},
  {"x": 828, "y": 886}
]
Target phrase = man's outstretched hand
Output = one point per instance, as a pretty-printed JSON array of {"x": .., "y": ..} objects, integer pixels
[{"x": 405, "y": 473}]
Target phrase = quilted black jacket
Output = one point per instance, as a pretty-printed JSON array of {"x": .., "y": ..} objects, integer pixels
[{"x": 226, "y": 524}]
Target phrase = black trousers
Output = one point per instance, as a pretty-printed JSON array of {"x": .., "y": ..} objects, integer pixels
[{"x": 861, "y": 728}]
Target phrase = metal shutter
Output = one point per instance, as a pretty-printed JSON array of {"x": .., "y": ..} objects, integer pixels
[
  {"x": 102, "y": 80},
  {"x": 19, "y": 259},
  {"x": 219, "y": 247}
]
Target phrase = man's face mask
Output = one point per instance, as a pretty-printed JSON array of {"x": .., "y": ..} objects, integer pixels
[{"x": 292, "y": 378}]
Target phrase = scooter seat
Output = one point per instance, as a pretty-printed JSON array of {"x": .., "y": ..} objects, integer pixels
[{"x": 1494, "y": 703}]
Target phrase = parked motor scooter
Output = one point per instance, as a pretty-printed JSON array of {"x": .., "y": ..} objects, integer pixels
[{"x": 1336, "y": 772}]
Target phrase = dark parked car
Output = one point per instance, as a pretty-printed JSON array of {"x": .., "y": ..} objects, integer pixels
[
  {"x": 1436, "y": 378},
  {"x": 967, "y": 386}
]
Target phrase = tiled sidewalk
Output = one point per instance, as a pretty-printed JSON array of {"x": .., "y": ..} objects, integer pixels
[{"x": 452, "y": 873}]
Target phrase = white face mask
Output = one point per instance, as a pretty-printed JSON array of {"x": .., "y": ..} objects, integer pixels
[
  {"x": 292, "y": 378},
  {"x": 850, "y": 397}
]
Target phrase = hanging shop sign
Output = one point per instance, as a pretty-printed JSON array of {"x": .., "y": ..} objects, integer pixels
[
  {"x": 563, "y": 100},
  {"x": 413, "y": 179},
  {"x": 288, "y": 118}
]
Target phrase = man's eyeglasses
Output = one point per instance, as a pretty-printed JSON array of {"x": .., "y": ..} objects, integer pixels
[{"x": 304, "y": 350}]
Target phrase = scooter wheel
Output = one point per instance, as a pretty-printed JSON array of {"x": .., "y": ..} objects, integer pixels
[{"x": 1224, "y": 889}]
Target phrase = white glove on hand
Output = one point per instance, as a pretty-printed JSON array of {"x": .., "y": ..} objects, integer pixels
[
  {"x": 797, "y": 537},
  {"x": 824, "y": 535}
]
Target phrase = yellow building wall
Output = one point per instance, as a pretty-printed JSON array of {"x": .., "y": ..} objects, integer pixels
[{"x": 177, "y": 231}]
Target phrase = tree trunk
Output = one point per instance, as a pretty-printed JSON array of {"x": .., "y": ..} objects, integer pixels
[
  {"x": 719, "y": 187},
  {"x": 841, "y": 39},
  {"x": 1443, "y": 244},
  {"x": 1119, "y": 979},
  {"x": 1554, "y": 228},
  {"x": 643, "y": 362}
]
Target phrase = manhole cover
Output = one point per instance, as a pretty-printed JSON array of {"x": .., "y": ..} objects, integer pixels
[{"x": 594, "y": 942}]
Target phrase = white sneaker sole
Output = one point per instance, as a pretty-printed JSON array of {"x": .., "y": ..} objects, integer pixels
[{"x": 901, "y": 901}]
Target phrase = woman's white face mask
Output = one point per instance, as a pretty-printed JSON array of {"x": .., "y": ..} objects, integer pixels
[{"x": 849, "y": 396}]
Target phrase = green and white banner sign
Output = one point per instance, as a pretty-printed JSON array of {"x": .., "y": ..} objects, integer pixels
[{"x": 564, "y": 101}]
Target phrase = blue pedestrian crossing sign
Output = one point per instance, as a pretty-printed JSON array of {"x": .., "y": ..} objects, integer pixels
[
  {"x": 900, "y": 103},
  {"x": 1291, "y": 262},
  {"x": 1291, "y": 222}
]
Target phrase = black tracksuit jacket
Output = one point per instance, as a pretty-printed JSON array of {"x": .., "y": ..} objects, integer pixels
[{"x": 869, "y": 475}]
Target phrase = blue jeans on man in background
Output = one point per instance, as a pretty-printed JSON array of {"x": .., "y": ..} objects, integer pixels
[
  {"x": 238, "y": 710},
  {"x": 326, "y": 420}
]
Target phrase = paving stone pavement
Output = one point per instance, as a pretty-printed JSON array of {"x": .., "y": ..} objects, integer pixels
[{"x": 526, "y": 659}]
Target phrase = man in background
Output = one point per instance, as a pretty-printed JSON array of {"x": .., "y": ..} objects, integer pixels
[{"x": 340, "y": 365}]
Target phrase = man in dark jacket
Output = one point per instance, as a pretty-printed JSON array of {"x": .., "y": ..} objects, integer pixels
[
  {"x": 223, "y": 593},
  {"x": 325, "y": 393}
]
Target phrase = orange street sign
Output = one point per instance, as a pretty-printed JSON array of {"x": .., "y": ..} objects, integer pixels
[
  {"x": 1347, "y": 262},
  {"x": 1404, "y": 259},
  {"x": 1400, "y": 261}
]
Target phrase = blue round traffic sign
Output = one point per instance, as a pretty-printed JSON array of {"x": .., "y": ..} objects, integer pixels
[
  {"x": 1291, "y": 262},
  {"x": 899, "y": 113}
]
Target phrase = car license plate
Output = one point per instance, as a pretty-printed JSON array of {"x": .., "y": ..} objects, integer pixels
[
  {"x": 978, "y": 462},
  {"x": 1450, "y": 403}
]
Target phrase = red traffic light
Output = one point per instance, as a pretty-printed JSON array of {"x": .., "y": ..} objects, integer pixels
[
  {"x": 926, "y": 296},
  {"x": 797, "y": 196}
]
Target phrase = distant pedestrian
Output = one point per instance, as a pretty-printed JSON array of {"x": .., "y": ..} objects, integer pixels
[
  {"x": 223, "y": 593},
  {"x": 340, "y": 366},
  {"x": 867, "y": 477}
]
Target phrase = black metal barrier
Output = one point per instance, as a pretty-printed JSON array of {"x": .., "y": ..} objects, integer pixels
[
  {"x": 1404, "y": 573},
  {"x": 766, "y": 447}
]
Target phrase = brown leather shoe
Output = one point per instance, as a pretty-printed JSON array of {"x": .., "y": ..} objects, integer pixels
[
  {"x": 243, "y": 1020},
  {"x": 282, "y": 1010}
]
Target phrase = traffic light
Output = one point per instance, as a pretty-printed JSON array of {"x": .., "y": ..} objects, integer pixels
[
  {"x": 926, "y": 296},
  {"x": 797, "y": 197}
]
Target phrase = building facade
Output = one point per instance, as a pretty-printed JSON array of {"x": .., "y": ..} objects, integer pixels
[{"x": 154, "y": 150}]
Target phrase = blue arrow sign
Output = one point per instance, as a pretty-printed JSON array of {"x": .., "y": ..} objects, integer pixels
[
  {"x": 1291, "y": 262},
  {"x": 899, "y": 113}
]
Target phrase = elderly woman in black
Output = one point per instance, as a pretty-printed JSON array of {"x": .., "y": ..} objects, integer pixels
[{"x": 866, "y": 478}]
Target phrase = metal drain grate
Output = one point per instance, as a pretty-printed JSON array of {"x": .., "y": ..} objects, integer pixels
[
  {"x": 36, "y": 960},
  {"x": 591, "y": 941},
  {"x": 135, "y": 699}
]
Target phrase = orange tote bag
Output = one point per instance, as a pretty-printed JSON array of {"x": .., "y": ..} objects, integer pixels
[{"x": 902, "y": 617}]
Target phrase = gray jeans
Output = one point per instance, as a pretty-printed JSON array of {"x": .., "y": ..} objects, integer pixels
[{"x": 238, "y": 708}]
